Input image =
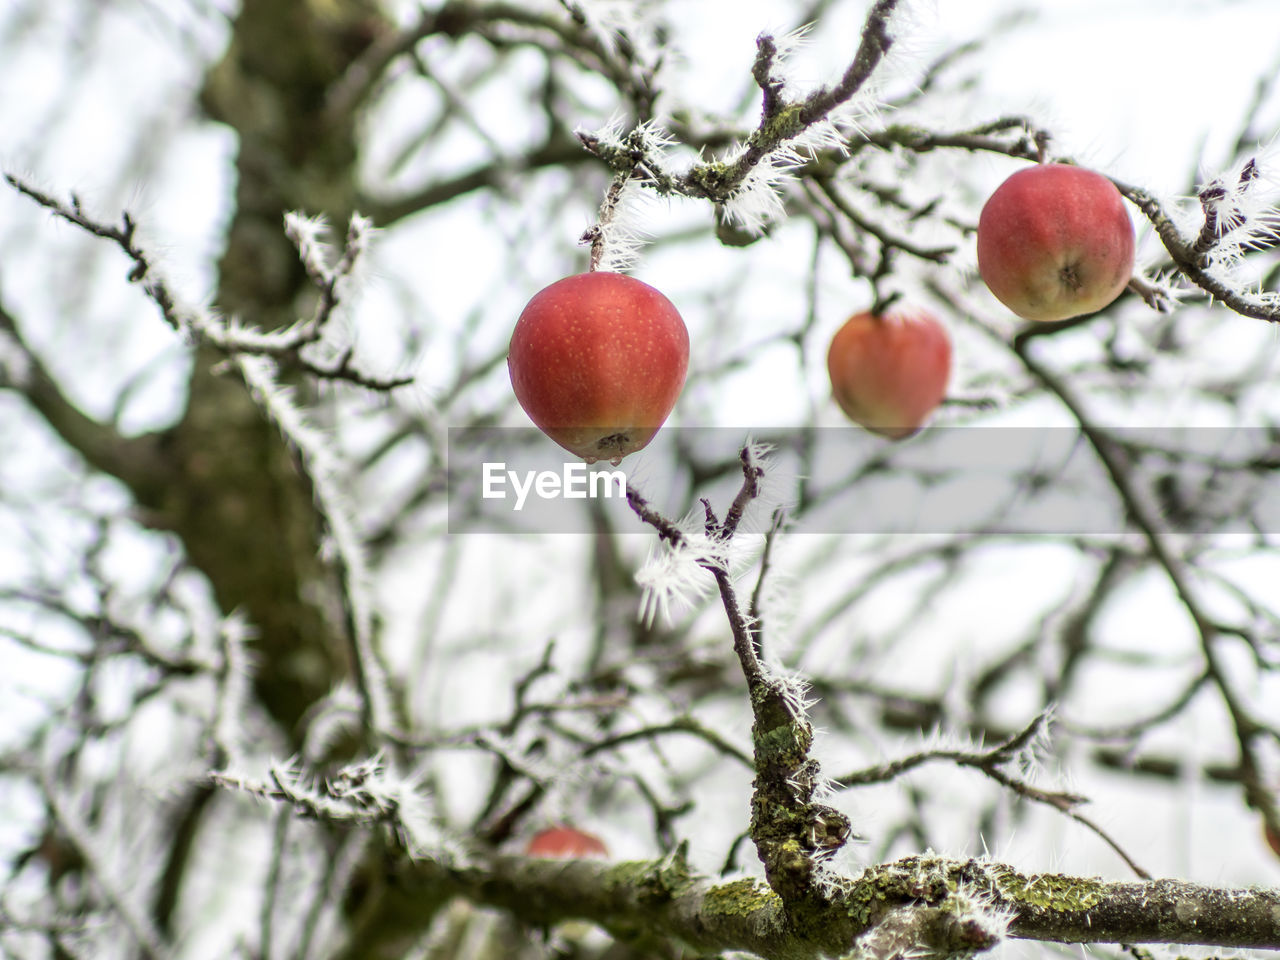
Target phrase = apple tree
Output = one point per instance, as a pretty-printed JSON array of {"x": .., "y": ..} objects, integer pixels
[{"x": 315, "y": 646}]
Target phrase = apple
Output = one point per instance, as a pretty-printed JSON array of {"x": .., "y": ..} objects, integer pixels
[
  {"x": 597, "y": 361},
  {"x": 889, "y": 372},
  {"x": 1055, "y": 241},
  {"x": 565, "y": 843}
]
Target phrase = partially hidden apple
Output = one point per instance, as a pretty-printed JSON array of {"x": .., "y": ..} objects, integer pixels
[
  {"x": 889, "y": 372},
  {"x": 1055, "y": 241},
  {"x": 565, "y": 843},
  {"x": 597, "y": 361}
]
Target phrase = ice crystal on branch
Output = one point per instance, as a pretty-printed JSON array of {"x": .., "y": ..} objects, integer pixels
[
  {"x": 620, "y": 237},
  {"x": 675, "y": 574},
  {"x": 758, "y": 200},
  {"x": 793, "y": 687},
  {"x": 234, "y": 691},
  {"x": 676, "y": 571},
  {"x": 786, "y": 46},
  {"x": 307, "y": 234},
  {"x": 775, "y": 487},
  {"x": 365, "y": 791},
  {"x": 1029, "y": 754},
  {"x": 1241, "y": 212},
  {"x": 333, "y": 717},
  {"x": 983, "y": 922},
  {"x": 619, "y": 25},
  {"x": 638, "y": 159},
  {"x": 1238, "y": 212}
]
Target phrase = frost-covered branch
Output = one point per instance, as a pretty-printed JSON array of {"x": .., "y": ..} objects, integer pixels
[
  {"x": 150, "y": 941},
  {"x": 949, "y": 906},
  {"x": 233, "y": 692},
  {"x": 307, "y": 234},
  {"x": 1239, "y": 212},
  {"x": 1020, "y": 745},
  {"x": 1145, "y": 516},
  {"x": 743, "y": 183},
  {"x": 686, "y": 724},
  {"x": 576, "y": 37},
  {"x": 366, "y": 792},
  {"x": 615, "y": 236},
  {"x": 233, "y": 337},
  {"x": 793, "y": 831},
  {"x": 787, "y": 129},
  {"x": 966, "y": 926},
  {"x": 317, "y": 457},
  {"x": 1233, "y": 223},
  {"x": 1018, "y": 750},
  {"x": 123, "y": 236}
]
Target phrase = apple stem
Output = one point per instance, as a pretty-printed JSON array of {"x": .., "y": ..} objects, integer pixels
[
  {"x": 882, "y": 304},
  {"x": 596, "y": 234},
  {"x": 1041, "y": 138}
]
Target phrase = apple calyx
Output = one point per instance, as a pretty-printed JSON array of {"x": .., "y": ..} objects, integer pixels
[{"x": 1055, "y": 241}]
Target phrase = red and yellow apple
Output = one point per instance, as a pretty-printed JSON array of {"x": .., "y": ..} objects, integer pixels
[
  {"x": 597, "y": 361},
  {"x": 565, "y": 843},
  {"x": 1055, "y": 241},
  {"x": 889, "y": 372}
]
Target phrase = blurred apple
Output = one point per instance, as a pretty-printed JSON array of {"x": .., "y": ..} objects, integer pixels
[
  {"x": 564, "y": 842},
  {"x": 889, "y": 372},
  {"x": 1055, "y": 241},
  {"x": 597, "y": 361}
]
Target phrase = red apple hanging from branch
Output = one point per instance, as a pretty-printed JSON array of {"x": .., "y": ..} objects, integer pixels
[
  {"x": 1055, "y": 241},
  {"x": 597, "y": 361},
  {"x": 888, "y": 372}
]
